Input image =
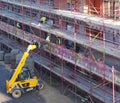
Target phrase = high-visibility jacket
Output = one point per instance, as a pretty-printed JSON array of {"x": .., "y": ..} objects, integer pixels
[
  {"x": 18, "y": 25},
  {"x": 48, "y": 38},
  {"x": 43, "y": 19},
  {"x": 58, "y": 41}
]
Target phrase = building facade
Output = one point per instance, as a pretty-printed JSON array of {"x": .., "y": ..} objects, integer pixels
[{"x": 83, "y": 51}]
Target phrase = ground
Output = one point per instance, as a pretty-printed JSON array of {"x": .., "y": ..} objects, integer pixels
[{"x": 47, "y": 95}]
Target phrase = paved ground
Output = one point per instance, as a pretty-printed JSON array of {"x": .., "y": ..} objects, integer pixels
[{"x": 47, "y": 95}]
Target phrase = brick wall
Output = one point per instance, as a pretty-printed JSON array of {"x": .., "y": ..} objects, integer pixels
[
  {"x": 94, "y": 6},
  {"x": 60, "y": 4},
  {"x": 42, "y": 1}
]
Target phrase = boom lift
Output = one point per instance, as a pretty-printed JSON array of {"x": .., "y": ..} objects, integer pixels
[{"x": 23, "y": 79}]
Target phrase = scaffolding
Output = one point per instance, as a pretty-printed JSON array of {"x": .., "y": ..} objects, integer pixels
[{"x": 87, "y": 57}]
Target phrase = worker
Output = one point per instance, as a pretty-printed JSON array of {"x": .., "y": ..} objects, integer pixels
[
  {"x": 46, "y": 45},
  {"x": 48, "y": 38},
  {"x": 18, "y": 25},
  {"x": 58, "y": 41},
  {"x": 17, "y": 30},
  {"x": 43, "y": 19}
]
